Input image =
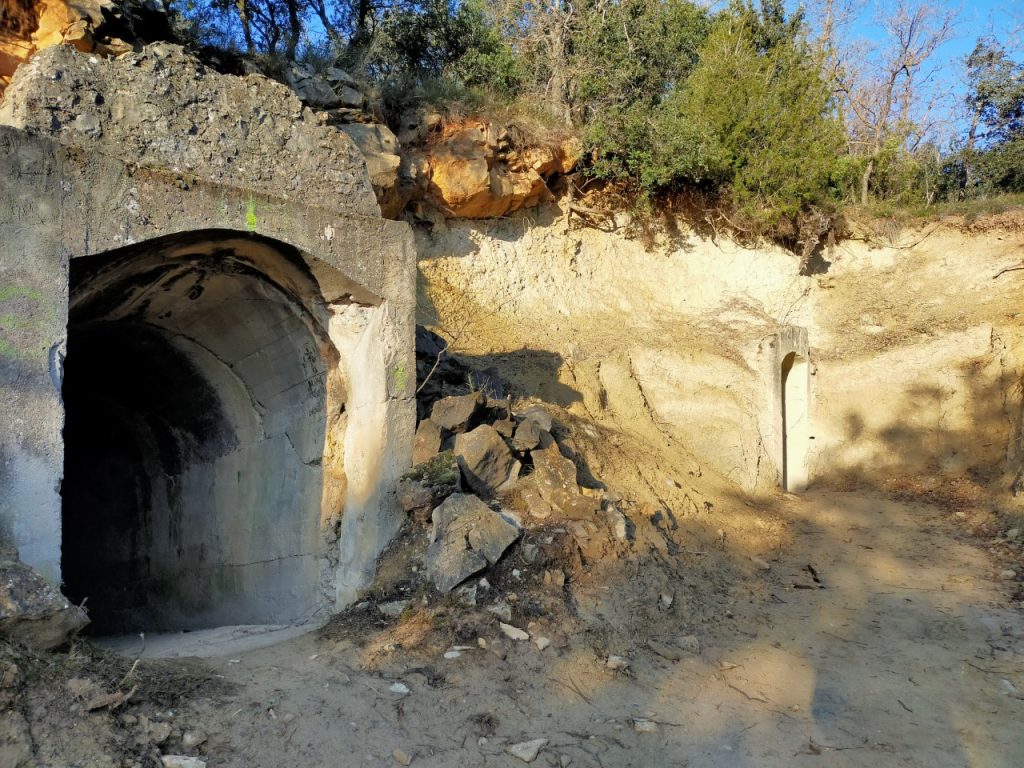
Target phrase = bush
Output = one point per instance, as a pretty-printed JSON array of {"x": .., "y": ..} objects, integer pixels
[{"x": 754, "y": 121}]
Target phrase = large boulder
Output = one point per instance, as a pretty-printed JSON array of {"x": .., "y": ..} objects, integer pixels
[
  {"x": 527, "y": 435},
  {"x": 310, "y": 87},
  {"x": 32, "y": 611},
  {"x": 467, "y": 537},
  {"x": 380, "y": 148},
  {"x": 475, "y": 169},
  {"x": 486, "y": 461},
  {"x": 555, "y": 476},
  {"x": 536, "y": 505},
  {"x": 427, "y": 442},
  {"x": 467, "y": 182},
  {"x": 454, "y": 413},
  {"x": 538, "y": 416}
]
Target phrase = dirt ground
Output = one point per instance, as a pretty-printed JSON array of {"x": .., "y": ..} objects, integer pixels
[
  {"x": 906, "y": 653},
  {"x": 880, "y": 635}
]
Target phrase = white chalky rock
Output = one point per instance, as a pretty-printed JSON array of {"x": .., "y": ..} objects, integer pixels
[
  {"x": 527, "y": 750},
  {"x": 513, "y": 633}
]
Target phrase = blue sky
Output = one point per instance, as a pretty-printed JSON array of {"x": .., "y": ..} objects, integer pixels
[
  {"x": 1002, "y": 19},
  {"x": 976, "y": 19}
]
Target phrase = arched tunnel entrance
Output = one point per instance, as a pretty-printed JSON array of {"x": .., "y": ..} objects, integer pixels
[{"x": 198, "y": 387}]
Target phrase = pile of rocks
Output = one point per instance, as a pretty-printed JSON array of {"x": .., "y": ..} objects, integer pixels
[
  {"x": 335, "y": 92},
  {"x": 482, "y": 471}
]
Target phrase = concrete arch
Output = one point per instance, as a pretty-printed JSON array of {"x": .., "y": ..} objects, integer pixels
[
  {"x": 795, "y": 422},
  {"x": 198, "y": 386},
  {"x": 101, "y": 256}
]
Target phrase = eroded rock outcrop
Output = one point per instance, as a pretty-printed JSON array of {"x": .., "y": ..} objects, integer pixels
[{"x": 476, "y": 169}]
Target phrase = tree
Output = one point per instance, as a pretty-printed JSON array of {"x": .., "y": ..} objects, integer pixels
[
  {"x": 541, "y": 33},
  {"x": 889, "y": 97},
  {"x": 755, "y": 118},
  {"x": 994, "y": 148},
  {"x": 628, "y": 58}
]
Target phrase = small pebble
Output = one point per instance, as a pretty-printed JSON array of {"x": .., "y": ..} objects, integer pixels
[
  {"x": 642, "y": 725},
  {"x": 527, "y": 750},
  {"x": 513, "y": 633}
]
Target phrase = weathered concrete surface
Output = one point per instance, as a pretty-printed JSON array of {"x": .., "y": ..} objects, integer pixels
[
  {"x": 786, "y": 419},
  {"x": 347, "y": 274},
  {"x": 161, "y": 108}
]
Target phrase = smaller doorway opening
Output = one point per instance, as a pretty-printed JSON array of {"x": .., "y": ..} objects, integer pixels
[{"x": 795, "y": 422}]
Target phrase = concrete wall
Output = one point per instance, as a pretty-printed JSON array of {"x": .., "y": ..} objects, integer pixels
[
  {"x": 787, "y": 436},
  {"x": 60, "y": 203}
]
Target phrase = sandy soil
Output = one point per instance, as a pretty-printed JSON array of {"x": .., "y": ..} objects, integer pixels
[{"x": 906, "y": 653}]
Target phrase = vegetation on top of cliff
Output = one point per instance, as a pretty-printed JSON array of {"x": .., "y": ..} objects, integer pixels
[{"x": 777, "y": 118}]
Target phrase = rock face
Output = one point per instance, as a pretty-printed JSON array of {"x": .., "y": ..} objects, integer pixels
[
  {"x": 381, "y": 150},
  {"x": 476, "y": 170},
  {"x": 486, "y": 462},
  {"x": 31, "y": 610},
  {"x": 467, "y": 537},
  {"x": 163, "y": 108}
]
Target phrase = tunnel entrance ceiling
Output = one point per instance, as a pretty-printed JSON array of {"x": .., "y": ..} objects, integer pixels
[{"x": 196, "y": 387}]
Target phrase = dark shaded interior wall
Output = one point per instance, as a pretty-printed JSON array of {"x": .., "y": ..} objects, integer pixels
[{"x": 195, "y": 396}]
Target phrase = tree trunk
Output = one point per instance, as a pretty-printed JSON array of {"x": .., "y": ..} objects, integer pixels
[
  {"x": 558, "y": 84},
  {"x": 243, "y": 14},
  {"x": 865, "y": 181},
  {"x": 294, "y": 29},
  {"x": 321, "y": 12},
  {"x": 965, "y": 177}
]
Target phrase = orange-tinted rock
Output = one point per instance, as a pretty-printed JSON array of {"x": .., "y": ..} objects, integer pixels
[{"x": 475, "y": 171}]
